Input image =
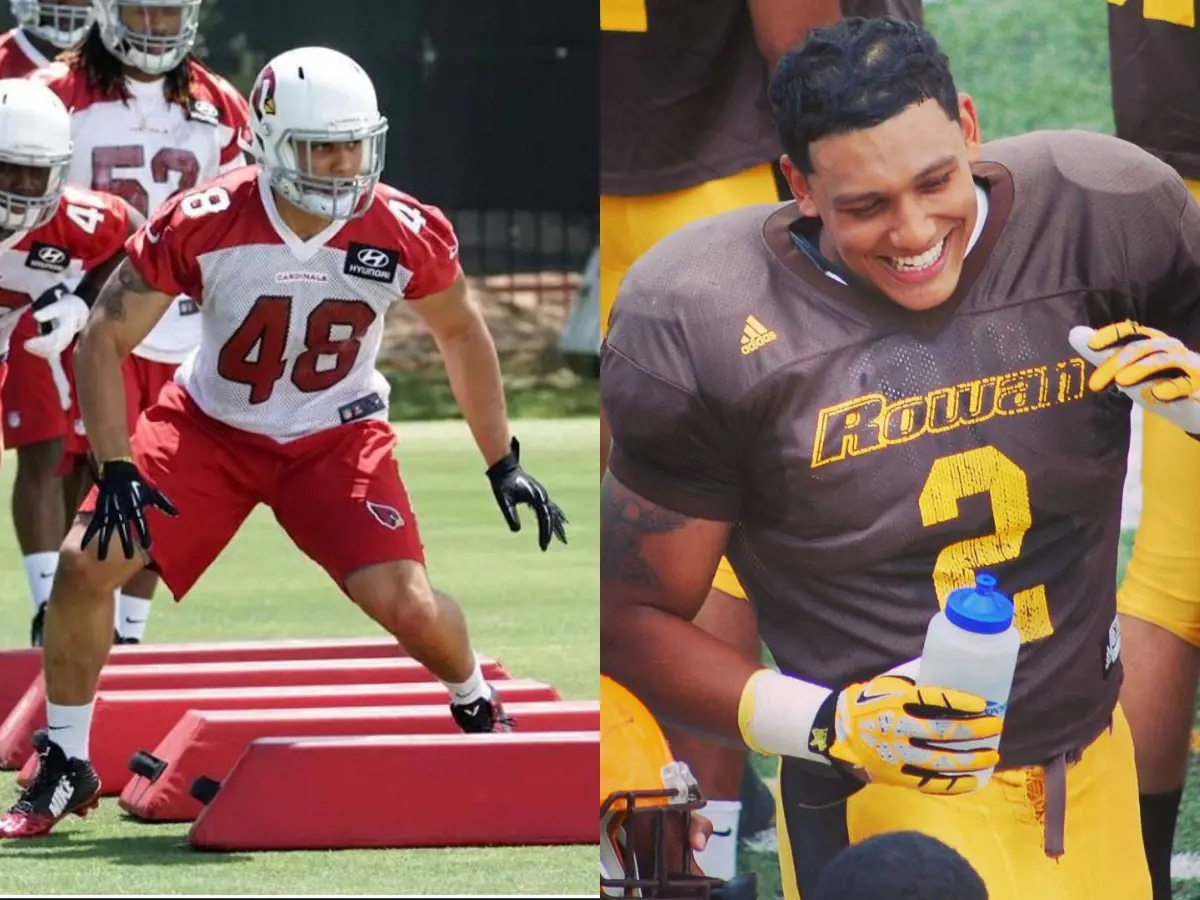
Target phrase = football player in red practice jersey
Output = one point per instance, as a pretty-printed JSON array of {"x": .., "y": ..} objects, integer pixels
[
  {"x": 294, "y": 264},
  {"x": 50, "y": 235},
  {"x": 149, "y": 120},
  {"x": 36, "y": 396},
  {"x": 43, "y": 30}
]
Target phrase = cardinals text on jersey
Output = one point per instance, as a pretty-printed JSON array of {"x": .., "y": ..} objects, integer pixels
[
  {"x": 291, "y": 329},
  {"x": 145, "y": 151}
]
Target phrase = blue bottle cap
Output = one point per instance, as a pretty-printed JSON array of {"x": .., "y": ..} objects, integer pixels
[{"x": 981, "y": 609}]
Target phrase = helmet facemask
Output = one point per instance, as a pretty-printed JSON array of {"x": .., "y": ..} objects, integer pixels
[
  {"x": 24, "y": 212},
  {"x": 329, "y": 196},
  {"x": 152, "y": 54},
  {"x": 56, "y": 23},
  {"x": 662, "y": 811}
]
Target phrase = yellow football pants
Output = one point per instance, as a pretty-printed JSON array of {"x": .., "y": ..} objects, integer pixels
[
  {"x": 629, "y": 226},
  {"x": 1000, "y": 831},
  {"x": 1162, "y": 583}
]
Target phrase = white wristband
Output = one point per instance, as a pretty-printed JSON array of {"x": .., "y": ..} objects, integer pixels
[{"x": 776, "y": 715}]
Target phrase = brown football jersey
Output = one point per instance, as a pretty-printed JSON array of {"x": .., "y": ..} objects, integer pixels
[
  {"x": 683, "y": 100},
  {"x": 873, "y": 459},
  {"x": 1154, "y": 56}
]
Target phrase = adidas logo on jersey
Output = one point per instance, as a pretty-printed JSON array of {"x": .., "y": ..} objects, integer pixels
[{"x": 755, "y": 336}]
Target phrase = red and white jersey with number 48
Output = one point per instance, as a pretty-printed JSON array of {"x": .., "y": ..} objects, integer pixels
[{"x": 290, "y": 329}]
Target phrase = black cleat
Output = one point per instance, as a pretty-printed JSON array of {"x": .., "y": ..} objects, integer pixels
[
  {"x": 482, "y": 716},
  {"x": 60, "y": 787},
  {"x": 117, "y": 639}
]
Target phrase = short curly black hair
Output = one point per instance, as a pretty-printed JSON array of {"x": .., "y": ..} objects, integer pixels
[{"x": 853, "y": 75}]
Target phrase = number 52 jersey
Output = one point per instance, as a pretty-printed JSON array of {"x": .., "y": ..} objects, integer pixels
[
  {"x": 146, "y": 149},
  {"x": 290, "y": 329}
]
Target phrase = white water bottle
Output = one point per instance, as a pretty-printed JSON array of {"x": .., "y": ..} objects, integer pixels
[{"x": 972, "y": 646}]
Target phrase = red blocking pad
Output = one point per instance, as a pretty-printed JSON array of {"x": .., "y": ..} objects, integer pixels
[
  {"x": 406, "y": 791},
  {"x": 18, "y": 668},
  {"x": 127, "y": 721},
  {"x": 208, "y": 742},
  {"x": 30, "y": 712}
]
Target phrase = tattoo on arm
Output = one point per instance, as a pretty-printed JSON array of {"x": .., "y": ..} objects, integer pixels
[
  {"x": 112, "y": 296},
  {"x": 625, "y": 519}
]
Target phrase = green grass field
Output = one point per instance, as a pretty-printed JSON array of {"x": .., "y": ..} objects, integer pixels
[{"x": 536, "y": 613}]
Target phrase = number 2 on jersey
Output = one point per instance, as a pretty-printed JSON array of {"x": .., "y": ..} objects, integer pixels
[
  {"x": 979, "y": 471},
  {"x": 256, "y": 354}
]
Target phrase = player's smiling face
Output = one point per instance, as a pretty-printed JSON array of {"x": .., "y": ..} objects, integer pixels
[{"x": 896, "y": 201}]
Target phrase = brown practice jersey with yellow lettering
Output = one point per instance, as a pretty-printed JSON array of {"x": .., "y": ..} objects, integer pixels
[
  {"x": 1154, "y": 56},
  {"x": 874, "y": 459},
  {"x": 683, "y": 95}
]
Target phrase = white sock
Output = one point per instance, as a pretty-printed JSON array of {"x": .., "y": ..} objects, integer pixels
[
  {"x": 132, "y": 613},
  {"x": 70, "y": 727},
  {"x": 40, "y": 569},
  {"x": 474, "y": 688},
  {"x": 718, "y": 859}
]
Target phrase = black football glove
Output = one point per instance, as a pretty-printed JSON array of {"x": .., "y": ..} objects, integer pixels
[
  {"x": 512, "y": 485},
  {"x": 123, "y": 495}
]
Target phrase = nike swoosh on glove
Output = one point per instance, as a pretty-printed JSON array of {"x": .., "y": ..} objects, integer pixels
[
  {"x": 932, "y": 739},
  {"x": 1156, "y": 371}
]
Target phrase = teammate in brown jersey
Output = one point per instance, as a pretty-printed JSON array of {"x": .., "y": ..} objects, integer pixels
[
  {"x": 1154, "y": 51},
  {"x": 868, "y": 397}
]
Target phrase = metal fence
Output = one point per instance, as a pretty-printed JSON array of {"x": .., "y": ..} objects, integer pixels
[{"x": 492, "y": 105}]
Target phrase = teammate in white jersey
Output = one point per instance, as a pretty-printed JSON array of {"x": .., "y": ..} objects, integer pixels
[
  {"x": 148, "y": 120},
  {"x": 294, "y": 265},
  {"x": 36, "y": 395}
]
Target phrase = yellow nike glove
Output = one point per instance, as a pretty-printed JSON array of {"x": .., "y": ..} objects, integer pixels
[
  {"x": 933, "y": 739},
  {"x": 1155, "y": 370}
]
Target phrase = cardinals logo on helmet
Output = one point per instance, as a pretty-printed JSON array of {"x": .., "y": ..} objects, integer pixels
[
  {"x": 386, "y": 515},
  {"x": 263, "y": 98}
]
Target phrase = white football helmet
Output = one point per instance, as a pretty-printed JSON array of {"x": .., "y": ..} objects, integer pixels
[
  {"x": 314, "y": 95},
  {"x": 154, "y": 54},
  {"x": 35, "y": 130},
  {"x": 62, "y": 25}
]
